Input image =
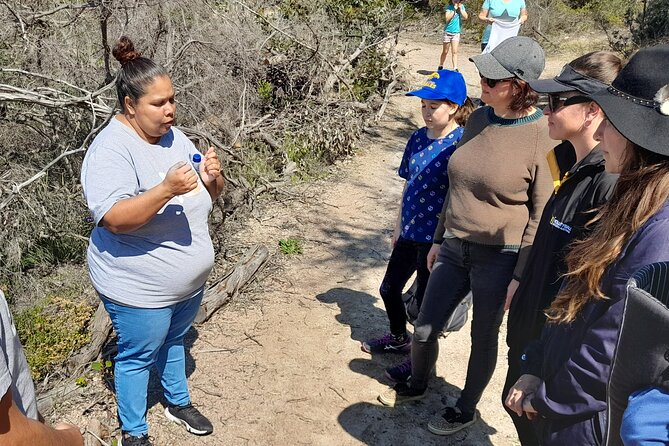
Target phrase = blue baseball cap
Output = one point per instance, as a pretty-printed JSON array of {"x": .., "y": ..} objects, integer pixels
[{"x": 443, "y": 85}]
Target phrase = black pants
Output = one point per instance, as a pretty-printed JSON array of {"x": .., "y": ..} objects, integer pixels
[
  {"x": 526, "y": 431},
  {"x": 462, "y": 266},
  {"x": 407, "y": 257}
]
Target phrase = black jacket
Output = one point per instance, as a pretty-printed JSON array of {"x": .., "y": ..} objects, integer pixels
[{"x": 583, "y": 188}]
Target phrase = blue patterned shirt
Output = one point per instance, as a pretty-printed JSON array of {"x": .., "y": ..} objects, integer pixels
[{"x": 425, "y": 168}]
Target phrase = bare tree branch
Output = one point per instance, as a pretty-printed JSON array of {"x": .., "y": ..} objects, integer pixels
[
  {"x": 18, "y": 19},
  {"x": 299, "y": 42}
]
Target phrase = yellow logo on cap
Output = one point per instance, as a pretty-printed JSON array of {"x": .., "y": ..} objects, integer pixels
[{"x": 430, "y": 83}]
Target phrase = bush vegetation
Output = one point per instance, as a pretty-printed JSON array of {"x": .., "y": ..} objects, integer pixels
[
  {"x": 281, "y": 88},
  {"x": 51, "y": 330}
]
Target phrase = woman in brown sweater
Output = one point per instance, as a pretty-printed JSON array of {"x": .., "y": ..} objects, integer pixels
[{"x": 500, "y": 181}]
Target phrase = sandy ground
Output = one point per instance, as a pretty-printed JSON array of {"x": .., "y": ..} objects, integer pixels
[{"x": 286, "y": 367}]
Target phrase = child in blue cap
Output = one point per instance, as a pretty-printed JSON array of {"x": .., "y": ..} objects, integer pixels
[{"x": 445, "y": 108}]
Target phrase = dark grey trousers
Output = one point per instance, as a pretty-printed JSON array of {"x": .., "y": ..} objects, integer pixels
[{"x": 461, "y": 266}]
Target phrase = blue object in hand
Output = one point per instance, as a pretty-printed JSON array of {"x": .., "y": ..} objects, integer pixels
[{"x": 197, "y": 159}]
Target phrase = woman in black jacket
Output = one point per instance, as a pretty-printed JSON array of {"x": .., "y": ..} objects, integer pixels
[
  {"x": 572, "y": 117},
  {"x": 565, "y": 374}
]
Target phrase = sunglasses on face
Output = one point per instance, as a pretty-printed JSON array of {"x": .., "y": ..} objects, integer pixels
[
  {"x": 555, "y": 102},
  {"x": 493, "y": 82}
]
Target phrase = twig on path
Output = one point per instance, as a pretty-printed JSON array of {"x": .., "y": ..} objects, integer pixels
[
  {"x": 215, "y": 350},
  {"x": 338, "y": 393},
  {"x": 248, "y": 336},
  {"x": 93, "y": 404},
  {"x": 208, "y": 392}
]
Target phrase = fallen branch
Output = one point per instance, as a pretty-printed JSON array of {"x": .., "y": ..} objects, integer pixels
[
  {"x": 228, "y": 287},
  {"x": 16, "y": 188},
  {"x": 100, "y": 331}
]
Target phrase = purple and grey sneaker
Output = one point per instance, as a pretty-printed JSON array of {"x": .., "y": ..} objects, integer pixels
[
  {"x": 400, "y": 373},
  {"x": 388, "y": 344}
]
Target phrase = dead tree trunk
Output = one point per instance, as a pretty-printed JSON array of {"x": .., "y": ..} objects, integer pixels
[
  {"x": 221, "y": 292},
  {"x": 100, "y": 331}
]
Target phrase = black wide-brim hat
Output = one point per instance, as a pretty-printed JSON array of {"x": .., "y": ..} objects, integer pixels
[{"x": 637, "y": 102}]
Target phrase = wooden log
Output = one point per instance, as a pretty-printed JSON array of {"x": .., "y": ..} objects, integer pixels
[
  {"x": 60, "y": 392},
  {"x": 100, "y": 331},
  {"x": 228, "y": 287}
]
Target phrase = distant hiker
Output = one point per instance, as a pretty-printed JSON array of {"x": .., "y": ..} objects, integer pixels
[
  {"x": 508, "y": 14},
  {"x": 573, "y": 117},
  {"x": 150, "y": 252},
  {"x": 19, "y": 419},
  {"x": 445, "y": 107},
  {"x": 565, "y": 374},
  {"x": 500, "y": 181},
  {"x": 454, "y": 13}
]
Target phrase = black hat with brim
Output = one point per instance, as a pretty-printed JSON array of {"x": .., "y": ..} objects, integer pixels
[
  {"x": 637, "y": 102},
  {"x": 568, "y": 80}
]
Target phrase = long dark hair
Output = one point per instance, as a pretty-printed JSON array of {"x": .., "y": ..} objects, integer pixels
[
  {"x": 641, "y": 190},
  {"x": 136, "y": 72}
]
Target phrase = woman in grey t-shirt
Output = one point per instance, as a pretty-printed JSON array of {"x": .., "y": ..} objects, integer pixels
[{"x": 150, "y": 252}]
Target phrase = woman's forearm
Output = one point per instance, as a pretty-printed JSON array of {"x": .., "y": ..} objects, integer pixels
[
  {"x": 523, "y": 16},
  {"x": 132, "y": 213},
  {"x": 215, "y": 188}
]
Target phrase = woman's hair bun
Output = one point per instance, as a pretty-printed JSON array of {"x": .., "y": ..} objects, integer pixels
[{"x": 124, "y": 51}]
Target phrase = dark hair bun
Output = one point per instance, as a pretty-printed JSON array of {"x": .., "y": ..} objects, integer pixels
[{"x": 124, "y": 51}]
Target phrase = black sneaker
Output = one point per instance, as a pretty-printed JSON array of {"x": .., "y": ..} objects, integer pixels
[
  {"x": 440, "y": 67},
  {"x": 451, "y": 421},
  {"x": 400, "y": 373},
  {"x": 131, "y": 440},
  {"x": 388, "y": 344},
  {"x": 190, "y": 418}
]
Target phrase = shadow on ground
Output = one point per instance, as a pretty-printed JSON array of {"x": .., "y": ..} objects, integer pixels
[{"x": 403, "y": 425}]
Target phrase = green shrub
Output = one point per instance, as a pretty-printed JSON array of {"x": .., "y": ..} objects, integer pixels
[
  {"x": 368, "y": 73},
  {"x": 264, "y": 90},
  {"x": 54, "y": 251},
  {"x": 651, "y": 24},
  {"x": 290, "y": 246},
  {"x": 51, "y": 331}
]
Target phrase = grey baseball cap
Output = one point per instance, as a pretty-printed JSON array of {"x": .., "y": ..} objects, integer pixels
[{"x": 518, "y": 56}]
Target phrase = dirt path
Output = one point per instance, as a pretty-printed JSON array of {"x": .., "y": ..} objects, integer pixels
[{"x": 288, "y": 369}]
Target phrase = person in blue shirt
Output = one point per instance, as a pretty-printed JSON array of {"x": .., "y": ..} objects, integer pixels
[
  {"x": 503, "y": 11},
  {"x": 454, "y": 13},
  {"x": 445, "y": 107},
  {"x": 645, "y": 420}
]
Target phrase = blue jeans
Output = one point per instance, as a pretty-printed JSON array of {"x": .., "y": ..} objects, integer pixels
[
  {"x": 462, "y": 266},
  {"x": 148, "y": 337}
]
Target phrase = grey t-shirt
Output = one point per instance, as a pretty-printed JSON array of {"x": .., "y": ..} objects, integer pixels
[
  {"x": 168, "y": 259},
  {"x": 14, "y": 371}
]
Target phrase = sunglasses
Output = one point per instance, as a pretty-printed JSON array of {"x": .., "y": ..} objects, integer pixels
[
  {"x": 555, "y": 102},
  {"x": 493, "y": 82}
]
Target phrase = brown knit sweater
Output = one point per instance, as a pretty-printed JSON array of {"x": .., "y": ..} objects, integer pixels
[{"x": 500, "y": 181}]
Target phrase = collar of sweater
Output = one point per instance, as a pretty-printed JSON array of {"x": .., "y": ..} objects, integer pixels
[{"x": 494, "y": 119}]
